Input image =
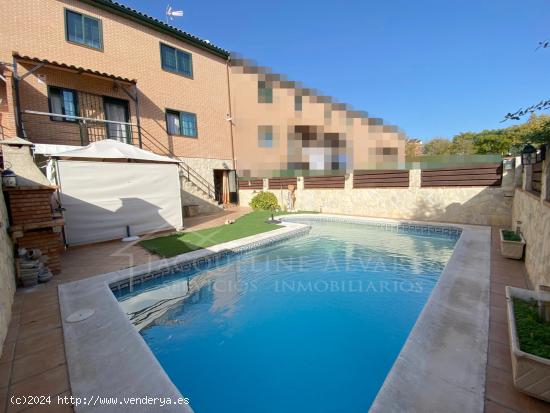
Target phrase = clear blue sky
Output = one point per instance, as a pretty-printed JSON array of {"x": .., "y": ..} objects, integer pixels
[{"x": 434, "y": 68}]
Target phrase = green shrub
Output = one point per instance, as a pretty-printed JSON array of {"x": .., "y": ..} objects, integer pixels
[
  {"x": 510, "y": 235},
  {"x": 264, "y": 201},
  {"x": 533, "y": 332}
]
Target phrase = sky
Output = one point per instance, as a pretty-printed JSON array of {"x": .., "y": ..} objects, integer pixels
[{"x": 433, "y": 68}]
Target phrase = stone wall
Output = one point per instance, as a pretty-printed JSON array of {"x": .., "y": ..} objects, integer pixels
[
  {"x": 465, "y": 205},
  {"x": 7, "y": 276},
  {"x": 205, "y": 166},
  {"x": 191, "y": 194},
  {"x": 534, "y": 213}
]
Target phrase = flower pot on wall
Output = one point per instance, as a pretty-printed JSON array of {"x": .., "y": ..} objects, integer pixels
[
  {"x": 511, "y": 249},
  {"x": 530, "y": 372}
]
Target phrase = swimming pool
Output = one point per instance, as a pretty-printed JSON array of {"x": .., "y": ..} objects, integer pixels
[{"x": 311, "y": 324}]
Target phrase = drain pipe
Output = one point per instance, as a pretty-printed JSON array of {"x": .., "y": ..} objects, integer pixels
[{"x": 230, "y": 114}]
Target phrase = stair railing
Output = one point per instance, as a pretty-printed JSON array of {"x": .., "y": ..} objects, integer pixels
[
  {"x": 196, "y": 179},
  {"x": 152, "y": 144}
]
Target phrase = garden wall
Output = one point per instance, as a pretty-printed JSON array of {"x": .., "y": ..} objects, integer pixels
[
  {"x": 7, "y": 276},
  {"x": 483, "y": 205},
  {"x": 533, "y": 210}
]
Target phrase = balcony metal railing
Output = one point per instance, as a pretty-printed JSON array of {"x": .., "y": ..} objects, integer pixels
[{"x": 75, "y": 130}]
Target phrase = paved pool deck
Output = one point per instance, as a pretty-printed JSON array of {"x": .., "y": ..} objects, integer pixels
[
  {"x": 500, "y": 394},
  {"x": 33, "y": 361}
]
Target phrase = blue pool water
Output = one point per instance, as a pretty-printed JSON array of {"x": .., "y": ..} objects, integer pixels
[{"x": 312, "y": 324}]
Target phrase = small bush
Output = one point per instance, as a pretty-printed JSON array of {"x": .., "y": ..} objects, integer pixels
[
  {"x": 265, "y": 201},
  {"x": 533, "y": 332}
]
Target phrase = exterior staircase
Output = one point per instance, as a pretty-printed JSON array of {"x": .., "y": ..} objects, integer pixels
[
  {"x": 195, "y": 189},
  {"x": 193, "y": 193}
]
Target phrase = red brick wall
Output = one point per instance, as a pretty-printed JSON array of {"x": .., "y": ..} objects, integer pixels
[
  {"x": 130, "y": 50},
  {"x": 29, "y": 206},
  {"x": 32, "y": 206}
]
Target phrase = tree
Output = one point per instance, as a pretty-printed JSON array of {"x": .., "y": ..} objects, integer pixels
[
  {"x": 438, "y": 146},
  {"x": 503, "y": 141},
  {"x": 412, "y": 146},
  {"x": 493, "y": 142},
  {"x": 537, "y": 129},
  {"x": 542, "y": 105},
  {"x": 463, "y": 144}
]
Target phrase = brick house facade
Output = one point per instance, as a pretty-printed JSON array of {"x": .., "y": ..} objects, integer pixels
[{"x": 129, "y": 59}]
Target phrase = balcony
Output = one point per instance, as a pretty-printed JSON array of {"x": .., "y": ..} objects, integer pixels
[{"x": 58, "y": 129}]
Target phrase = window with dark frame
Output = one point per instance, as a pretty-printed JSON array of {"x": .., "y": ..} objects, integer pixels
[
  {"x": 181, "y": 123},
  {"x": 265, "y": 92},
  {"x": 62, "y": 102},
  {"x": 84, "y": 30},
  {"x": 175, "y": 60}
]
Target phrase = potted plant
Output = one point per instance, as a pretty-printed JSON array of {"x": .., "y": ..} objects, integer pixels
[
  {"x": 511, "y": 244},
  {"x": 529, "y": 329}
]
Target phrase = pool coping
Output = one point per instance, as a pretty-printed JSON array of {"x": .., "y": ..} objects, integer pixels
[
  {"x": 106, "y": 356},
  {"x": 442, "y": 364}
]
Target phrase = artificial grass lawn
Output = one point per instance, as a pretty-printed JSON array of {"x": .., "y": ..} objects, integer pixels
[
  {"x": 510, "y": 235},
  {"x": 247, "y": 225},
  {"x": 533, "y": 333}
]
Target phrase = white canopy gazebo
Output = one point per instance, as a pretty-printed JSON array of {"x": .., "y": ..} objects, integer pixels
[{"x": 110, "y": 189}]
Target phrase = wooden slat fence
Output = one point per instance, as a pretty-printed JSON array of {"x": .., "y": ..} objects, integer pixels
[
  {"x": 476, "y": 175},
  {"x": 381, "y": 179},
  {"x": 251, "y": 184},
  {"x": 277, "y": 183},
  {"x": 536, "y": 178},
  {"x": 324, "y": 182}
]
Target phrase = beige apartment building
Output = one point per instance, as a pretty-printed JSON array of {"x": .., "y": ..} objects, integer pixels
[
  {"x": 284, "y": 128},
  {"x": 78, "y": 71}
]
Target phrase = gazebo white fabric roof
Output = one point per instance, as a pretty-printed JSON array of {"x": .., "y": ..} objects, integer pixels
[{"x": 111, "y": 149}]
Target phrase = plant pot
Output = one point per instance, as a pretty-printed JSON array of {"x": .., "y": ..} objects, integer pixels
[
  {"x": 512, "y": 249},
  {"x": 529, "y": 371}
]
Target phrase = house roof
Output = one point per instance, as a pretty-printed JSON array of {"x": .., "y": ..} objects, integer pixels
[
  {"x": 78, "y": 69},
  {"x": 159, "y": 25}
]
